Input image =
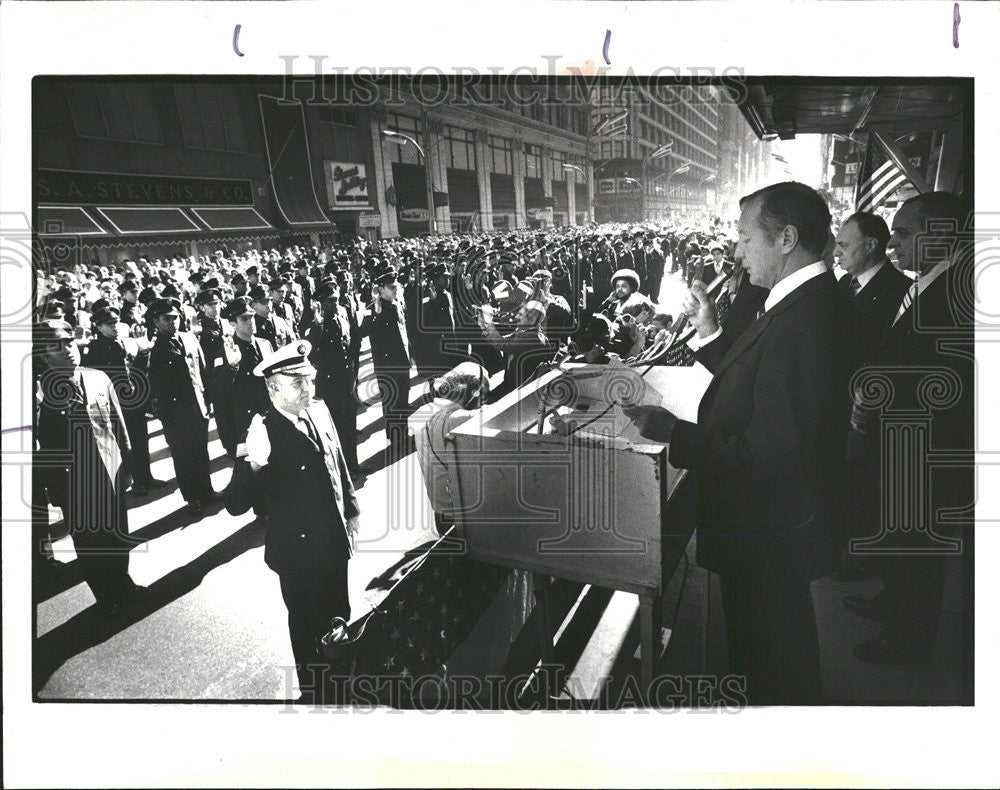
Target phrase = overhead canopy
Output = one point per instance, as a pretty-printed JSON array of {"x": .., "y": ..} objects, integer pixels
[
  {"x": 777, "y": 107},
  {"x": 67, "y": 221},
  {"x": 288, "y": 156},
  {"x": 128, "y": 220},
  {"x": 231, "y": 218}
]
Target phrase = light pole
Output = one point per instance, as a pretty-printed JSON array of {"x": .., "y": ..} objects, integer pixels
[
  {"x": 683, "y": 167},
  {"x": 710, "y": 177},
  {"x": 638, "y": 183},
  {"x": 567, "y": 167},
  {"x": 610, "y": 126},
  {"x": 431, "y": 222},
  {"x": 664, "y": 150}
]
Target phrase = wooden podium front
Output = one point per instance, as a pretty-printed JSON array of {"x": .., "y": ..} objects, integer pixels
[{"x": 601, "y": 506}]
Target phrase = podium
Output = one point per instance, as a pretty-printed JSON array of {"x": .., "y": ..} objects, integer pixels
[{"x": 601, "y": 506}]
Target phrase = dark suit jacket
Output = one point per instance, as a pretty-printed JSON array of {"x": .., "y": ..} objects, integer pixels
[
  {"x": 274, "y": 329},
  {"x": 935, "y": 334},
  {"x": 390, "y": 342},
  {"x": 75, "y": 476},
  {"x": 768, "y": 446},
  {"x": 307, "y": 491},
  {"x": 877, "y": 304},
  {"x": 177, "y": 381}
]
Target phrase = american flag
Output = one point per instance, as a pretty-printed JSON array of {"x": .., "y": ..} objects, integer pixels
[
  {"x": 427, "y": 615},
  {"x": 878, "y": 178}
]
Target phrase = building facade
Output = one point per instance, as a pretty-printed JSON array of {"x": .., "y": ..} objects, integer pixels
[{"x": 130, "y": 167}]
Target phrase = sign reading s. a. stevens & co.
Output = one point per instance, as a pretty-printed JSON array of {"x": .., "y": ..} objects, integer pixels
[{"x": 126, "y": 189}]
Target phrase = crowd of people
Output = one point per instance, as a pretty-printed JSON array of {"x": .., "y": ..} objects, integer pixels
[{"x": 244, "y": 336}]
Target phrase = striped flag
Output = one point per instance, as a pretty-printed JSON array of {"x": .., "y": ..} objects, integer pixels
[{"x": 878, "y": 178}]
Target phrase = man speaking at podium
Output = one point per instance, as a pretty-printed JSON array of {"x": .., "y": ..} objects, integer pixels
[{"x": 769, "y": 443}]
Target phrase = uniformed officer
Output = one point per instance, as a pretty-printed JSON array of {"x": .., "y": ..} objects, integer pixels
[
  {"x": 296, "y": 468},
  {"x": 221, "y": 363},
  {"x": 176, "y": 378},
  {"x": 269, "y": 326},
  {"x": 386, "y": 325},
  {"x": 654, "y": 264},
  {"x": 249, "y": 392},
  {"x": 352, "y": 304},
  {"x": 280, "y": 305},
  {"x": 307, "y": 287},
  {"x": 438, "y": 322},
  {"x": 115, "y": 357},
  {"x": 81, "y": 429},
  {"x": 132, "y": 311},
  {"x": 336, "y": 385}
]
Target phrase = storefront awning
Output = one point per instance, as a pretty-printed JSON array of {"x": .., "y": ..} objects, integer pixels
[
  {"x": 133, "y": 220},
  {"x": 231, "y": 218},
  {"x": 291, "y": 168},
  {"x": 67, "y": 221}
]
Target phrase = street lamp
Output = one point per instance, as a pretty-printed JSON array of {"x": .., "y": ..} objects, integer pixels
[
  {"x": 394, "y": 135},
  {"x": 664, "y": 150},
  {"x": 610, "y": 126},
  {"x": 638, "y": 183},
  {"x": 608, "y": 122},
  {"x": 681, "y": 168},
  {"x": 568, "y": 168}
]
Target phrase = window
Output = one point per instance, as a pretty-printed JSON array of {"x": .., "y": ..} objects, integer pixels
[
  {"x": 400, "y": 150},
  {"x": 558, "y": 159},
  {"x": 211, "y": 117},
  {"x": 500, "y": 156},
  {"x": 532, "y": 161},
  {"x": 461, "y": 148},
  {"x": 338, "y": 116},
  {"x": 115, "y": 111}
]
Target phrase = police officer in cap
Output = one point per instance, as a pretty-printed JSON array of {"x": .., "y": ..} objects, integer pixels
[
  {"x": 115, "y": 357},
  {"x": 332, "y": 345},
  {"x": 221, "y": 363},
  {"x": 267, "y": 325},
  {"x": 176, "y": 379},
  {"x": 296, "y": 468},
  {"x": 386, "y": 325},
  {"x": 132, "y": 310},
  {"x": 438, "y": 322},
  {"x": 83, "y": 463},
  {"x": 249, "y": 393}
]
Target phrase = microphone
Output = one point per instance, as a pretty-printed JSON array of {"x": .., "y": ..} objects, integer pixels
[{"x": 710, "y": 290}]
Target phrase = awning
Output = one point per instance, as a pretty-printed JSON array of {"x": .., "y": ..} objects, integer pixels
[
  {"x": 288, "y": 156},
  {"x": 232, "y": 218},
  {"x": 776, "y": 107},
  {"x": 67, "y": 221},
  {"x": 128, "y": 220}
]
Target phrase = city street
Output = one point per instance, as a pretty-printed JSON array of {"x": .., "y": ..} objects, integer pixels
[{"x": 215, "y": 627}]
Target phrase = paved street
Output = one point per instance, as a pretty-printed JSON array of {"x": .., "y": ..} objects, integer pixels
[{"x": 215, "y": 628}]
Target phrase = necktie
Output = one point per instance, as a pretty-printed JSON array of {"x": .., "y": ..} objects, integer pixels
[
  {"x": 306, "y": 426},
  {"x": 76, "y": 392},
  {"x": 911, "y": 294},
  {"x": 855, "y": 286}
]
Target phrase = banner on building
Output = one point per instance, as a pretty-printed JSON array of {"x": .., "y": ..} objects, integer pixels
[{"x": 347, "y": 185}]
